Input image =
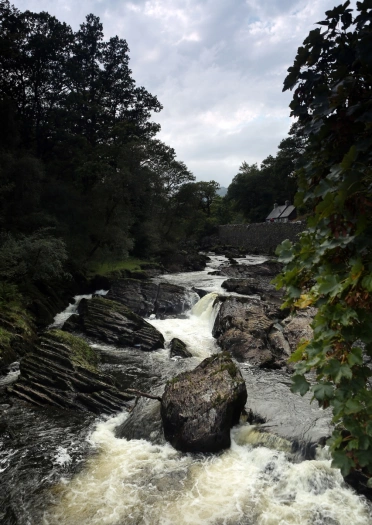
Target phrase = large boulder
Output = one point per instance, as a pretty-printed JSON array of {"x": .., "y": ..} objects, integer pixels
[
  {"x": 114, "y": 323},
  {"x": 242, "y": 327},
  {"x": 62, "y": 371},
  {"x": 199, "y": 407},
  {"x": 146, "y": 298}
]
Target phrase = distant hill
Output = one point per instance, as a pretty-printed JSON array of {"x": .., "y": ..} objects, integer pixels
[{"x": 222, "y": 191}]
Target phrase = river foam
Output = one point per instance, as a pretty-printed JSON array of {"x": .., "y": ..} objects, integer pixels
[{"x": 137, "y": 483}]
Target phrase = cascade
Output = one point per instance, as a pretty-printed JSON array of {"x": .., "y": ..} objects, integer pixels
[{"x": 260, "y": 480}]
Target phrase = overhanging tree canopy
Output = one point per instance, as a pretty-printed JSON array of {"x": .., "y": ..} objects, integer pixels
[{"x": 331, "y": 266}]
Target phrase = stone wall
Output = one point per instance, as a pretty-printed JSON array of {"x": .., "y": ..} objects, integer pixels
[{"x": 259, "y": 238}]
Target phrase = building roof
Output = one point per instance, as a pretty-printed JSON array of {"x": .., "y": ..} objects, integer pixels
[
  {"x": 286, "y": 213},
  {"x": 281, "y": 212},
  {"x": 276, "y": 213}
]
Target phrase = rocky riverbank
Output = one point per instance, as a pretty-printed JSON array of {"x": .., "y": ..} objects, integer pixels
[{"x": 106, "y": 365}]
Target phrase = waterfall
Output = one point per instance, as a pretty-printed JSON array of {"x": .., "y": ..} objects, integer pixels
[
  {"x": 195, "y": 330},
  {"x": 60, "y": 318}
]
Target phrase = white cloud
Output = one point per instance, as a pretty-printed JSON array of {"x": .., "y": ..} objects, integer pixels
[{"x": 217, "y": 66}]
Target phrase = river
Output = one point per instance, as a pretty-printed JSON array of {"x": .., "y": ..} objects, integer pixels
[{"x": 71, "y": 469}]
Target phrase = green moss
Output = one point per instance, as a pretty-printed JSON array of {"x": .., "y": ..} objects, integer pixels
[
  {"x": 81, "y": 353},
  {"x": 118, "y": 307}
]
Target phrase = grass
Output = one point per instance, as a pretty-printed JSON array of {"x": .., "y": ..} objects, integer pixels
[{"x": 105, "y": 268}]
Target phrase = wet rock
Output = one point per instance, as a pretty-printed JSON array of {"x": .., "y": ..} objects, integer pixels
[
  {"x": 246, "y": 347},
  {"x": 297, "y": 328},
  {"x": 242, "y": 327},
  {"x": 184, "y": 261},
  {"x": 269, "y": 269},
  {"x": 62, "y": 371},
  {"x": 113, "y": 323},
  {"x": 199, "y": 407},
  {"x": 144, "y": 421},
  {"x": 178, "y": 348},
  {"x": 279, "y": 342},
  {"x": 254, "y": 286},
  {"x": 201, "y": 293},
  {"x": 146, "y": 298}
]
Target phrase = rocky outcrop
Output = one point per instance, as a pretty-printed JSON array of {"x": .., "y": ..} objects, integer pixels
[
  {"x": 62, "y": 371},
  {"x": 113, "y": 323},
  {"x": 199, "y": 407},
  {"x": 243, "y": 326},
  {"x": 178, "y": 348},
  {"x": 146, "y": 298},
  {"x": 184, "y": 261},
  {"x": 254, "y": 286},
  {"x": 268, "y": 269}
]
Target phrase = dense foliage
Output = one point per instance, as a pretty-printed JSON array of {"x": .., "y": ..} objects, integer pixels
[
  {"x": 331, "y": 266},
  {"x": 81, "y": 170},
  {"x": 254, "y": 189}
]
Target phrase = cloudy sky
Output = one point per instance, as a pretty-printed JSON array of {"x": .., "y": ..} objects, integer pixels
[{"x": 217, "y": 66}]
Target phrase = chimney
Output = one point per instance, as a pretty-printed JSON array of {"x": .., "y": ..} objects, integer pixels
[
  {"x": 287, "y": 203},
  {"x": 275, "y": 205}
]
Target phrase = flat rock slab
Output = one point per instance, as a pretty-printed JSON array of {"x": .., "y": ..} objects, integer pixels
[
  {"x": 114, "y": 323},
  {"x": 146, "y": 298},
  {"x": 286, "y": 414},
  {"x": 199, "y": 407}
]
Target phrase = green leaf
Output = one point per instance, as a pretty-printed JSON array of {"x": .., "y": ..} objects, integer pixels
[
  {"x": 349, "y": 158},
  {"x": 353, "y": 406},
  {"x": 300, "y": 385},
  {"x": 364, "y": 457},
  {"x": 355, "y": 356},
  {"x": 323, "y": 391},
  {"x": 329, "y": 284},
  {"x": 343, "y": 462},
  {"x": 367, "y": 282}
]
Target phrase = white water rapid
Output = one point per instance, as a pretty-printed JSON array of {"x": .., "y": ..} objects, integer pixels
[{"x": 258, "y": 481}]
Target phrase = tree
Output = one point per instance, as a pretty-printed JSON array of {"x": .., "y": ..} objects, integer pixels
[{"x": 331, "y": 266}]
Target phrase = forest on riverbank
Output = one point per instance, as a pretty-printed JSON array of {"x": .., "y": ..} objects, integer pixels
[{"x": 84, "y": 178}]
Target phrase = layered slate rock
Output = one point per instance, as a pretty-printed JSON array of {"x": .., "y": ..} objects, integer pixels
[
  {"x": 114, "y": 323},
  {"x": 199, "y": 407},
  {"x": 62, "y": 371},
  {"x": 146, "y": 298}
]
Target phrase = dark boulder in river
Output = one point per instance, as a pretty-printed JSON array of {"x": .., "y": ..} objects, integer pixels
[
  {"x": 146, "y": 298},
  {"x": 199, "y": 407},
  {"x": 113, "y": 323},
  {"x": 61, "y": 371},
  {"x": 178, "y": 348}
]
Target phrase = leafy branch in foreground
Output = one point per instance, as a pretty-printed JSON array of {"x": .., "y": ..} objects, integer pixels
[{"x": 331, "y": 265}]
